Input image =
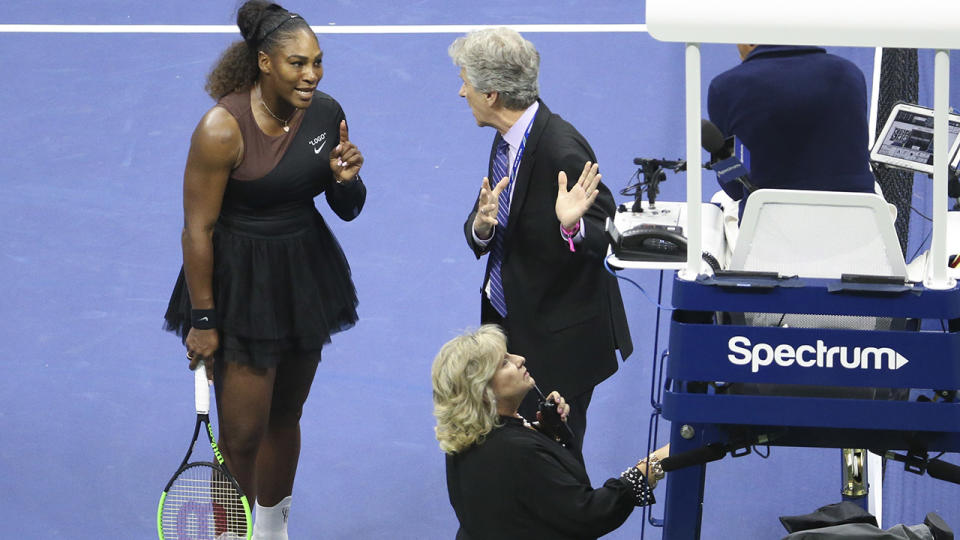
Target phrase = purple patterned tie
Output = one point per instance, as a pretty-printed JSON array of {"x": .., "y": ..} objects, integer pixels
[{"x": 503, "y": 213}]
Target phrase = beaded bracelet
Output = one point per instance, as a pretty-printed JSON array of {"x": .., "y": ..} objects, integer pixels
[
  {"x": 655, "y": 469},
  {"x": 642, "y": 494}
]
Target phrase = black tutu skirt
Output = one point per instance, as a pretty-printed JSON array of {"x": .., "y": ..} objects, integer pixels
[{"x": 281, "y": 286}]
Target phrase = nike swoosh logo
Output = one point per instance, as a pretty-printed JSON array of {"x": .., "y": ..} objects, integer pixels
[
  {"x": 319, "y": 148},
  {"x": 204, "y": 319}
]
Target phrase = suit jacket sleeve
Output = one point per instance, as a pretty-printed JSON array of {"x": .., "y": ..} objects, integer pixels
[
  {"x": 594, "y": 244},
  {"x": 557, "y": 497},
  {"x": 479, "y": 250}
]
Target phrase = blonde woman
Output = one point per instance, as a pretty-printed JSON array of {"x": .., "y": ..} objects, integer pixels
[{"x": 505, "y": 478}]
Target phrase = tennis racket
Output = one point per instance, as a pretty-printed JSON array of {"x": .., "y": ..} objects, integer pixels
[{"x": 203, "y": 501}]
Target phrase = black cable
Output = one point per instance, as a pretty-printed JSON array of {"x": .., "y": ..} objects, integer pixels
[
  {"x": 633, "y": 188},
  {"x": 711, "y": 260},
  {"x": 919, "y": 213},
  {"x": 606, "y": 264}
]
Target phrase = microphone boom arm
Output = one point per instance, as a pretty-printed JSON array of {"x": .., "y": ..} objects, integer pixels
[{"x": 652, "y": 171}]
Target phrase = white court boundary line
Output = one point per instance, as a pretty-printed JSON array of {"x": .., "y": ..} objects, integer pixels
[{"x": 330, "y": 29}]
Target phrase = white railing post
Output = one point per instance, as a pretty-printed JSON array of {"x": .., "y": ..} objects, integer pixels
[
  {"x": 937, "y": 263},
  {"x": 694, "y": 228}
]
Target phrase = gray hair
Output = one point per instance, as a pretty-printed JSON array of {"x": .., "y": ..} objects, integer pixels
[{"x": 499, "y": 60}]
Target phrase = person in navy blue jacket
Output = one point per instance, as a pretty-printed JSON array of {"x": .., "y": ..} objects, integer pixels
[{"x": 801, "y": 113}]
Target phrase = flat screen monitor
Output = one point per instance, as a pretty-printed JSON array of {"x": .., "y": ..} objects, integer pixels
[{"x": 906, "y": 140}]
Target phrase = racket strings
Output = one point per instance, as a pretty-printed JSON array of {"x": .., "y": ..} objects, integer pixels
[{"x": 202, "y": 503}]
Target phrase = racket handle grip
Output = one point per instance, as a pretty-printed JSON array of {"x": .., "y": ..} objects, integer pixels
[{"x": 201, "y": 389}]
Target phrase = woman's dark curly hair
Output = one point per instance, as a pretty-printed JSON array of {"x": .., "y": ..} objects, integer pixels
[{"x": 263, "y": 26}]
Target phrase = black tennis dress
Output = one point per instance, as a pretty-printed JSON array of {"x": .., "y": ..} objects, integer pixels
[{"x": 281, "y": 283}]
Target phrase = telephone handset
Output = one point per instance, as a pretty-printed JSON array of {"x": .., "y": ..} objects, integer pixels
[{"x": 648, "y": 242}]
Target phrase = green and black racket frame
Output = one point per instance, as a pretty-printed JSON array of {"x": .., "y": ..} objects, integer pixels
[{"x": 203, "y": 500}]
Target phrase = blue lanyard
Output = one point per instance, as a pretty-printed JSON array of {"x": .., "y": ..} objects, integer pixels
[{"x": 516, "y": 160}]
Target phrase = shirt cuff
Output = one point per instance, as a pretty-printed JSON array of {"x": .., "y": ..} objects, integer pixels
[{"x": 479, "y": 241}]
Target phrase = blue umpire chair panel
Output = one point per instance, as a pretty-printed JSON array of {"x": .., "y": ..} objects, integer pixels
[
  {"x": 868, "y": 355},
  {"x": 862, "y": 350}
]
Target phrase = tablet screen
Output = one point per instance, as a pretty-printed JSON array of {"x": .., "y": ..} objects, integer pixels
[{"x": 907, "y": 139}]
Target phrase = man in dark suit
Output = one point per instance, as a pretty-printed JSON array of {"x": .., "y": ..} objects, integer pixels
[{"x": 544, "y": 284}]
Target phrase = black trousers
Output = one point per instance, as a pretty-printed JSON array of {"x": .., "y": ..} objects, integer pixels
[{"x": 577, "y": 419}]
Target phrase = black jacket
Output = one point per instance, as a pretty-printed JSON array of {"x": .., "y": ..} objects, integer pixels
[
  {"x": 520, "y": 484},
  {"x": 565, "y": 314}
]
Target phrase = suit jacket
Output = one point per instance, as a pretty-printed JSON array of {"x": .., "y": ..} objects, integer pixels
[
  {"x": 519, "y": 484},
  {"x": 564, "y": 311},
  {"x": 802, "y": 113}
]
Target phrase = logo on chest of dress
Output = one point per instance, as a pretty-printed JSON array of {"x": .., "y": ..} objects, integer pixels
[{"x": 318, "y": 143}]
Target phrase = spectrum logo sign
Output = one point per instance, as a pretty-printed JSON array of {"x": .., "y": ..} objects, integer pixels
[{"x": 743, "y": 353}]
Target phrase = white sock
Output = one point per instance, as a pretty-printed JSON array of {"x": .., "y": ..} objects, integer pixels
[{"x": 271, "y": 521}]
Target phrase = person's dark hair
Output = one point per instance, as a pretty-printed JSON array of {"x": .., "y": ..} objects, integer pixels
[{"x": 263, "y": 26}]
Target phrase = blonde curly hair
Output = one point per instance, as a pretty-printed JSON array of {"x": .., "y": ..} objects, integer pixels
[{"x": 463, "y": 401}]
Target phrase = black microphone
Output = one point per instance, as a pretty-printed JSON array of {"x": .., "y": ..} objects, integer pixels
[
  {"x": 697, "y": 456},
  {"x": 728, "y": 156},
  {"x": 710, "y": 138},
  {"x": 678, "y": 165},
  {"x": 652, "y": 172}
]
